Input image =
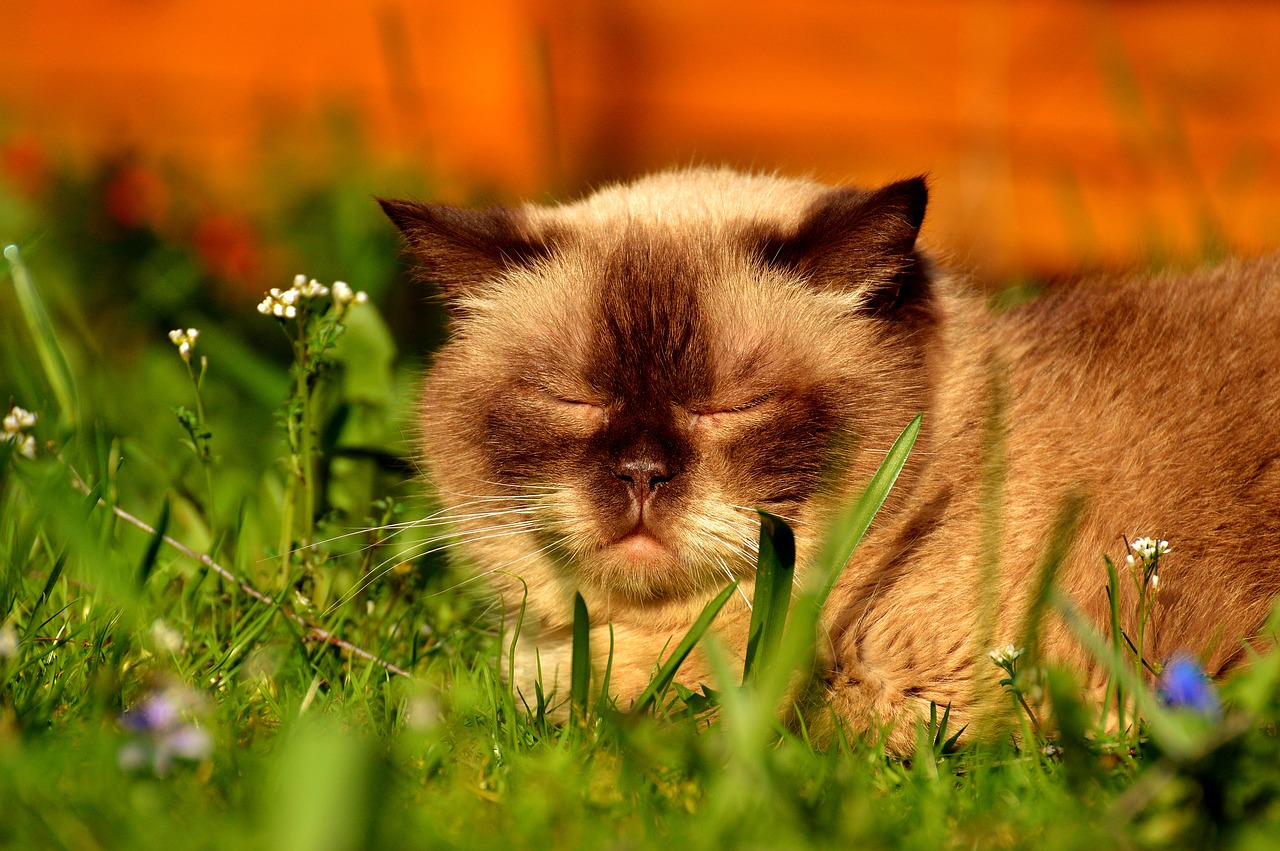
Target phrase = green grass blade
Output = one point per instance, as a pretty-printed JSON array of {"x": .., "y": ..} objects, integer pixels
[
  {"x": 52, "y": 358},
  {"x": 843, "y": 536},
  {"x": 580, "y": 680},
  {"x": 667, "y": 672},
  {"x": 846, "y": 530},
  {"x": 775, "y": 569},
  {"x": 49, "y": 583},
  {"x": 152, "y": 552},
  {"x": 1173, "y": 739},
  {"x": 1113, "y": 606},
  {"x": 1060, "y": 539}
]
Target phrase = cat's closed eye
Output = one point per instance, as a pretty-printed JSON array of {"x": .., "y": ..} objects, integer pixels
[
  {"x": 723, "y": 410},
  {"x": 570, "y": 400}
]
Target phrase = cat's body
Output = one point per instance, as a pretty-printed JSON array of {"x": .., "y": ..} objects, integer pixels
[{"x": 632, "y": 375}]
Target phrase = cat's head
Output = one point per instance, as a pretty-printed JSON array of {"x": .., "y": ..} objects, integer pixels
[{"x": 630, "y": 376}]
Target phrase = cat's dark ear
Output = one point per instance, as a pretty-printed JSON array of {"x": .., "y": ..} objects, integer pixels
[
  {"x": 860, "y": 243},
  {"x": 458, "y": 248}
]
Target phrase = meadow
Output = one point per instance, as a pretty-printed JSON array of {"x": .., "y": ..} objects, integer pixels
[{"x": 228, "y": 619}]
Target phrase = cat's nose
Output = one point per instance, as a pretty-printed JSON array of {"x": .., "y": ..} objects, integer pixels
[{"x": 643, "y": 475}]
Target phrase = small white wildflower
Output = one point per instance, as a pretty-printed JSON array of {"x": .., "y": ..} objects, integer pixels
[
  {"x": 16, "y": 427},
  {"x": 422, "y": 713},
  {"x": 27, "y": 447},
  {"x": 313, "y": 289},
  {"x": 1129, "y": 560},
  {"x": 279, "y": 304},
  {"x": 1006, "y": 655},
  {"x": 283, "y": 304},
  {"x": 344, "y": 296},
  {"x": 8, "y": 641},
  {"x": 19, "y": 420},
  {"x": 1154, "y": 583},
  {"x": 1149, "y": 548},
  {"x": 185, "y": 341},
  {"x": 167, "y": 638}
]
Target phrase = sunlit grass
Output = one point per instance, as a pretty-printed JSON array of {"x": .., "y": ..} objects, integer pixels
[{"x": 232, "y": 677}]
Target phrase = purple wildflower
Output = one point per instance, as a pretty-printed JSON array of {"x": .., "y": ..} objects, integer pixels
[
  {"x": 164, "y": 731},
  {"x": 1184, "y": 685}
]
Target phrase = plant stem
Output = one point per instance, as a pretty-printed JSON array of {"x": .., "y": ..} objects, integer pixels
[{"x": 313, "y": 632}]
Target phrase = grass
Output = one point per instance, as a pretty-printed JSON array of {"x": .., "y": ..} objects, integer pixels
[{"x": 179, "y": 687}]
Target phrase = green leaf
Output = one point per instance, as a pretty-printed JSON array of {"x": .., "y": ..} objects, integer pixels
[
  {"x": 580, "y": 680},
  {"x": 152, "y": 552},
  {"x": 667, "y": 672},
  {"x": 843, "y": 536},
  {"x": 775, "y": 569},
  {"x": 1060, "y": 539},
  {"x": 52, "y": 358},
  {"x": 846, "y": 530}
]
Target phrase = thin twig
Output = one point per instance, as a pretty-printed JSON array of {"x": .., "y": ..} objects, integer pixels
[{"x": 313, "y": 632}]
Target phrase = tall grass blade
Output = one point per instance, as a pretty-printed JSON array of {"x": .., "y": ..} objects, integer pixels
[
  {"x": 775, "y": 569},
  {"x": 580, "y": 679},
  {"x": 1113, "y": 607},
  {"x": 1060, "y": 539},
  {"x": 49, "y": 583},
  {"x": 843, "y": 536},
  {"x": 667, "y": 672},
  {"x": 52, "y": 358},
  {"x": 152, "y": 552},
  {"x": 1173, "y": 738},
  {"x": 846, "y": 531}
]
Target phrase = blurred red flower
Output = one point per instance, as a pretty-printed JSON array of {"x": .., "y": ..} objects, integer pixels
[
  {"x": 136, "y": 197},
  {"x": 25, "y": 165},
  {"x": 228, "y": 246}
]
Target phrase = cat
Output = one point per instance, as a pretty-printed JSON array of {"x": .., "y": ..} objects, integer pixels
[{"x": 630, "y": 376}]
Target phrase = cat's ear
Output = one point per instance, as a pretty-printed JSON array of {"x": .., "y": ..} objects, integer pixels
[
  {"x": 458, "y": 248},
  {"x": 860, "y": 243}
]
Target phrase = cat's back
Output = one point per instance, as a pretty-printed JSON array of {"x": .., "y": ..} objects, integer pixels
[
  {"x": 1157, "y": 398},
  {"x": 1166, "y": 355}
]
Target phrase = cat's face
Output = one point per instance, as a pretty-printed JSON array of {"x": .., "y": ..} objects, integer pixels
[{"x": 622, "y": 391}]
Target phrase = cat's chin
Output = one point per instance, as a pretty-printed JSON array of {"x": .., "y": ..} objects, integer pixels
[
  {"x": 641, "y": 547},
  {"x": 639, "y": 564}
]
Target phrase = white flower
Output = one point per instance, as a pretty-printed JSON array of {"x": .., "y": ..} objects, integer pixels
[
  {"x": 16, "y": 427},
  {"x": 166, "y": 637},
  {"x": 279, "y": 304},
  {"x": 1154, "y": 583},
  {"x": 1149, "y": 548},
  {"x": 184, "y": 340},
  {"x": 8, "y": 641},
  {"x": 19, "y": 419},
  {"x": 344, "y": 296},
  {"x": 1006, "y": 655},
  {"x": 284, "y": 304},
  {"x": 27, "y": 447}
]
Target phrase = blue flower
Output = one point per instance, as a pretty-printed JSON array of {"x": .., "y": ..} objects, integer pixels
[
  {"x": 165, "y": 731},
  {"x": 1184, "y": 685}
]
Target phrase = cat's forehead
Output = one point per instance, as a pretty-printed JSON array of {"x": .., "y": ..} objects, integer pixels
[{"x": 650, "y": 310}]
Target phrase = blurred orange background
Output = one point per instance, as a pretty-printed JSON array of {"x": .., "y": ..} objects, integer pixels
[{"x": 1057, "y": 134}]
